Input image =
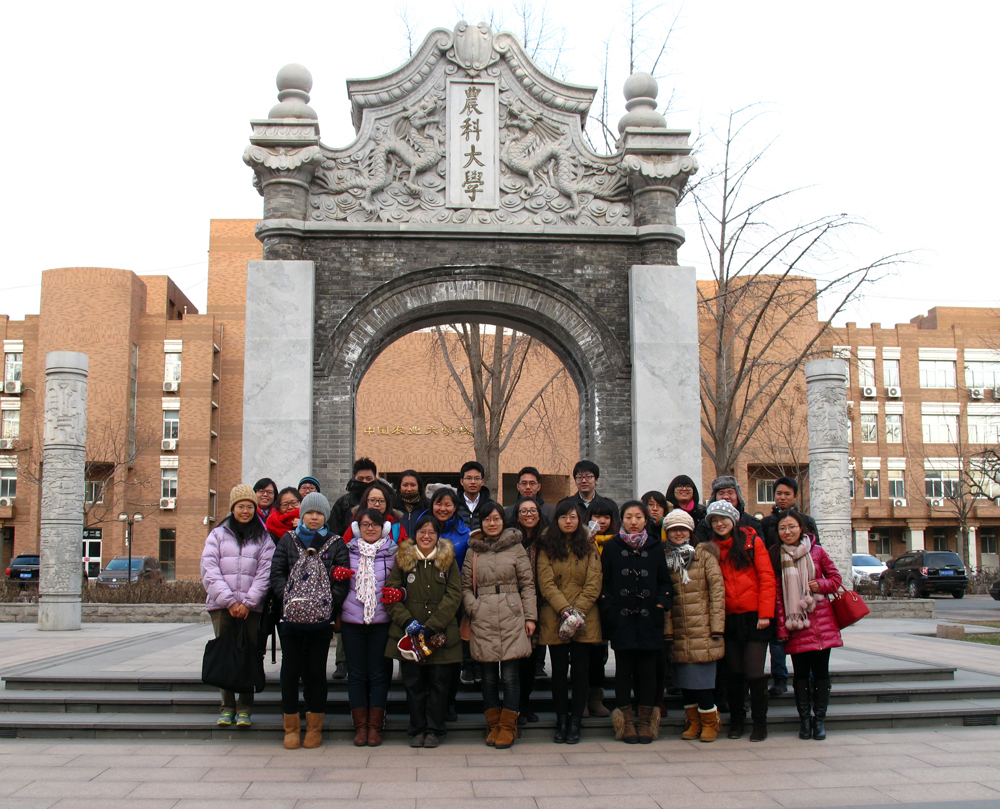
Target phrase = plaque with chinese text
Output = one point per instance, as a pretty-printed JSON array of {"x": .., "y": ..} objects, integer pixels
[{"x": 473, "y": 149}]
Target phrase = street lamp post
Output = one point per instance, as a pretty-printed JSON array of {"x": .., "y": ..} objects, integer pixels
[{"x": 123, "y": 517}]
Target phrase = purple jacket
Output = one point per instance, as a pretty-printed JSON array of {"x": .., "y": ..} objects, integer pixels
[
  {"x": 234, "y": 575},
  {"x": 822, "y": 632},
  {"x": 354, "y": 611}
]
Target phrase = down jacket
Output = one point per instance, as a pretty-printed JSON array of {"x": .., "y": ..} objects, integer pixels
[
  {"x": 823, "y": 631},
  {"x": 751, "y": 589},
  {"x": 235, "y": 575},
  {"x": 635, "y": 594},
  {"x": 504, "y": 597},
  {"x": 565, "y": 583},
  {"x": 697, "y": 617},
  {"x": 385, "y": 558},
  {"x": 433, "y": 596}
]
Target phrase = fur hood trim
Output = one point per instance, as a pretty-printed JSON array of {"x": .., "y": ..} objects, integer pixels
[
  {"x": 709, "y": 548},
  {"x": 508, "y": 539},
  {"x": 406, "y": 556}
]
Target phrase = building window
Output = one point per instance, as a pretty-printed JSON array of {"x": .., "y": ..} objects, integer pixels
[
  {"x": 883, "y": 545},
  {"x": 940, "y": 484},
  {"x": 869, "y": 429},
  {"x": 12, "y": 367},
  {"x": 937, "y": 373},
  {"x": 8, "y": 483},
  {"x": 171, "y": 423},
  {"x": 168, "y": 552},
  {"x": 871, "y": 484},
  {"x": 981, "y": 374},
  {"x": 172, "y": 368},
  {"x": 940, "y": 541},
  {"x": 213, "y": 500},
  {"x": 894, "y": 428},
  {"x": 765, "y": 491},
  {"x": 10, "y": 423},
  {"x": 866, "y": 373},
  {"x": 984, "y": 429},
  {"x": 897, "y": 488},
  {"x": 93, "y": 491},
  {"x": 890, "y": 373},
  {"x": 988, "y": 542},
  {"x": 168, "y": 483},
  {"x": 133, "y": 393},
  {"x": 850, "y": 481},
  {"x": 939, "y": 428}
]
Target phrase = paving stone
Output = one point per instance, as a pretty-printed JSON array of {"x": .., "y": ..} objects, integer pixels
[
  {"x": 242, "y": 774},
  {"x": 464, "y": 803},
  {"x": 541, "y": 759},
  {"x": 444, "y": 789},
  {"x": 725, "y": 800},
  {"x": 10, "y": 787},
  {"x": 568, "y": 771},
  {"x": 640, "y": 786},
  {"x": 72, "y": 789},
  {"x": 115, "y": 803},
  {"x": 846, "y": 796},
  {"x": 547, "y": 787},
  {"x": 951, "y": 793},
  {"x": 793, "y": 767},
  {"x": 615, "y": 757},
  {"x": 160, "y": 774},
  {"x": 190, "y": 789},
  {"x": 950, "y": 775},
  {"x": 363, "y": 774},
  {"x": 299, "y": 790},
  {"x": 469, "y": 774},
  {"x": 393, "y": 803},
  {"x": 41, "y": 773},
  {"x": 870, "y": 778},
  {"x": 102, "y": 759},
  {"x": 765, "y": 779},
  {"x": 621, "y": 802},
  {"x": 664, "y": 770},
  {"x": 870, "y": 763}
]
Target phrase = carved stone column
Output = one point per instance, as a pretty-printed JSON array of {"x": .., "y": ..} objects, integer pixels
[
  {"x": 65, "y": 456},
  {"x": 829, "y": 483}
]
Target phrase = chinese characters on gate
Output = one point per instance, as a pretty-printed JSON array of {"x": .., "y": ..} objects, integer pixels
[
  {"x": 473, "y": 164},
  {"x": 398, "y": 431}
]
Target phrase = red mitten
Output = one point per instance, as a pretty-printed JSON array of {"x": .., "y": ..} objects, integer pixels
[
  {"x": 392, "y": 595},
  {"x": 341, "y": 573}
]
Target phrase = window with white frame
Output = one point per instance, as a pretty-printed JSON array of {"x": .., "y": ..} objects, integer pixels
[
  {"x": 893, "y": 428},
  {"x": 10, "y": 423},
  {"x": 940, "y": 483},
  {"x": 850, "y": 481},
  {"x": 982, "y": 374},
  {"x": 12, "y": 363},
  {"x": 765, "y": 491},
  {"x": 890, "y": 373},
  {"x": 883, "y": 544},
  {"x": 168, "y": 483},
  {"x": 984, "y": 429},
  {"x": 869, "y": 428},
  {"x": 988, "y": 541},
  {"x": 871, "y": 484},
  {"x": 937, "y": 373},
  {"x": 866, "y": 373},
  {"x": 172, "y": 368},
  {"x": 941, "y": 541},
  {"x": 939, "y": 428},
  {"x": 897, "y": 486},
  {"x": 8, "y": 483},
  {"x": 93, "y": 491},
  {"x": 171, "y": 423}
]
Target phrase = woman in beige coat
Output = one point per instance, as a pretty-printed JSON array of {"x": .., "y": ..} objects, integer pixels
[
  {"x": 569, "y": 579},
  {"x": 498, "y": 593},
  {"x": 695, "y": 623}
]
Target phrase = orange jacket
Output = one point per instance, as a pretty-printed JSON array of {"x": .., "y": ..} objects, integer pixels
[{"x": 752, "y": 589}]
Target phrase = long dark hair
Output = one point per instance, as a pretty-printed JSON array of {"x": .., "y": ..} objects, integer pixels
[
  {"x": 245, "y": 532},
  {"x": 602, "y": 508},
  {"x": 386, "y": 492},
  {"x": 539, "y": 528},
  {"x": 737, "y": 558},
  {"x": 682, "y": 480},
  {"x": 558, "y": 545}
]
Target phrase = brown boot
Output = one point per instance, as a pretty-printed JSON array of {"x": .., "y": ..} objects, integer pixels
[
  {"x": 595, "y": 702},
  {"x": 624, "y": 725},
  {"x": 360, "y": 718},
  {"x": 645, "y": 724},
  {"x": 492, "y": 725},
  {"x": 692, "y": 723},
  {"x": 711, "y": 724},
  {"x": 314, "y": 730},
  {"x": 293, "y": 731},
  {"x": 376, "y": 721},
  {"x": 507, "y": 730}
]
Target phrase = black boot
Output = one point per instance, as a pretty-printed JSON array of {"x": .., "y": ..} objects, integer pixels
[
  {"x": 780, "y": 687},
  {"x": 821, "y": 701},
  {"x": 736, "y": 685},
  {"x": 573, "y": 733},
  {"x": 562, "y": 728},
  {"x": 803, "y": 702},
  {"x": 758, "y": 709}
]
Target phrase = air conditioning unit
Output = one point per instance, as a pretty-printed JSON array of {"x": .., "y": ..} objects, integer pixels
[
  {"x": 171, "y": 387},
  {"x": 6, "y": 443},
  {"x": 169, "y": 444},
  {"x": 168, "y": 503},
  {"x": 6, "y": 501},
  {"x": 977, "y": 393},
  {"x": 11, "y": 387},
  {"x": 936, "y": 502},
  {"x": 868, "y": 391},
  {"x": 899, "y": 502},
  {"x": 894, "y": 392}
]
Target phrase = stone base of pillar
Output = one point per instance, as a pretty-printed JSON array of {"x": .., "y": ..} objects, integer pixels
[{"x": 59, "y": 613}]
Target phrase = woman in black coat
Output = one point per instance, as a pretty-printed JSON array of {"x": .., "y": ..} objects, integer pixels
[{"x": 634, "y": 599}]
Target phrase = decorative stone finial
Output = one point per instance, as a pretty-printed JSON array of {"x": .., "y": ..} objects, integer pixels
[
  {"x": 640, "y": 101},
  {"x": 294, "y": 83}
]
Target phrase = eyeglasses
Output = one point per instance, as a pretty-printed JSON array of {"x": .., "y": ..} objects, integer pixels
[
  {"x": 376, "y": 501},
  {"x": 288, "y": 505},
  {"x": 472, "y": 479},
  {"x": 585, "y": 477},
  {"x": 683, "y": 489},
  {"x": 366, "y": 525},
  {"x": 423, "y": 533},
  {"x": 528, "y": 512}
]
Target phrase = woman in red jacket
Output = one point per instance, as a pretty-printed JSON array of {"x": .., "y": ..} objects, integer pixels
[
  {"x": 805, "y": 574},
  {"x": 750, "y": 606}
]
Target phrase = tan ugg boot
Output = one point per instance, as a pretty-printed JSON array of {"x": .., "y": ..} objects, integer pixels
[
  {"x": 644, "y": 725},
  {"x": 507, "y": 730},
  {"x": 492, "y": 725},
  {"x": 595, "y": 702},
  {"x": 624, "y": 725},
  {"x": 692, "y": 722},
  {"x": 654, "y": 723},
  {"x": 314, "y": 730},
  {"x": 711, "y": 724},
  {"x": 293, "y": 731}
]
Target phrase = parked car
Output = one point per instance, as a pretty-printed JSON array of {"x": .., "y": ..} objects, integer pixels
[
  {"x": 995, "y": 590},
  {"x": 144, "y": 568},
  {"x": 925, "y": 572},
  {"x": 865, "y": 568},
  {"x": 24, "y": 569}
]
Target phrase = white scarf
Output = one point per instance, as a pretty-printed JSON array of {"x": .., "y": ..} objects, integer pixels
[{"x": 365, "y": 584}]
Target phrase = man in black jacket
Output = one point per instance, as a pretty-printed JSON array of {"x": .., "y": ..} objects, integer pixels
[
  {"x": 529, "y": 487},
  {"x": 586, "y": 474},
  {"x": 363, "y": 474},
  {"x": 474, "y": 494}
]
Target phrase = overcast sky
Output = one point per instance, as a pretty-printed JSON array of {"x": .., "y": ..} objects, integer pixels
[{"x": 126, "y": 122}]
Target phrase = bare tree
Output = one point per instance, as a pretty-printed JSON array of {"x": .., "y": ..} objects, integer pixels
[{"x": 780, "y": 447}]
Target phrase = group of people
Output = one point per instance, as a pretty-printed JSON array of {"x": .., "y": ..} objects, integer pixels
[{"x": 456, "y": 587}]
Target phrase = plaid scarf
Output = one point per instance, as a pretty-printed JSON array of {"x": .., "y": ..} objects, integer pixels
[{"x": 634, "y": 541}]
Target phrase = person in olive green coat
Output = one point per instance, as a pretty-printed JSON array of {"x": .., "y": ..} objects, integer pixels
[
  {"x": 428, "y": 573},
  {"x": 569, "y": 580}
]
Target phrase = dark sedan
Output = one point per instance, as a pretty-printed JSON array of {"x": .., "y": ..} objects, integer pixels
[
  {"x": 144, "y": 568},
  {"x": 995, "y": 590},
  {"x": 24, "y": 568}
]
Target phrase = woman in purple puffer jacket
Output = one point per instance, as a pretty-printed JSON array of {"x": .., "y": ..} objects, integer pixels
[
  {"x": 365, "y": 623},
  {"x": 235, "y": 570},
  {"x": 806, "y": 575}
]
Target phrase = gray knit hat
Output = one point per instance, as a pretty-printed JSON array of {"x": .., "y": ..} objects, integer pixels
[
  {"x": 722, "y": 508},
  {"x": 314, "y": 501}
]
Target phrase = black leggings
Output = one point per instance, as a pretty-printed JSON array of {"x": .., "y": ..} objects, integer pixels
[
  {"x": 745, "y": 657},
  {"x": 812, "y": 664},
  {"x": 303, "y": 657},
  {"x": 526, "y": 674},
  {"x": 704, "y": 698},
  {"x": 598, "y": 660},
  {"x": 562, "y": 655},
  {"x": 638, "y": 666}
]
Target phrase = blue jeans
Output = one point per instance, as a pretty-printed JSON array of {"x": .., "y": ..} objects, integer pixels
[
  {"x": 779, "y": 665},
  {"x": 508, "y": 674},
  {"x": 367, "y": 678}
]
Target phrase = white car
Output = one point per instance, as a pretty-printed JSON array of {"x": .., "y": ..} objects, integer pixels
[{"x": 865, "y": 567}]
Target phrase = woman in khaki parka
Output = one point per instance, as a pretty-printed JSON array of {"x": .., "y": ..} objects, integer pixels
[
  {"x": 695, "y": 623},
  {"x": 498, "y": 592},
  {"x": 569, "y": 579}
]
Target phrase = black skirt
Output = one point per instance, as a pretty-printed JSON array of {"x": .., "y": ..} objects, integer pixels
[{"x": 741, "y": 627}]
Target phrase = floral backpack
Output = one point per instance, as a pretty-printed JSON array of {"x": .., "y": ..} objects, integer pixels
[{"x": 308, "y": 601}]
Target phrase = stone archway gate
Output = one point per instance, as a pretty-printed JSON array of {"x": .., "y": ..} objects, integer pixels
[{"x": 470, "y": 192}]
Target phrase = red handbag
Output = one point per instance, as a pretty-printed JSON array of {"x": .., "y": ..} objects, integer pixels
[{"x": 848, "y": 607}]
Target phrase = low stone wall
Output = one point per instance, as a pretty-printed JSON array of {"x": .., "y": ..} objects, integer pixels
[
  {"x": 116, "y": 613},
  {"x": 901, "y": 608}
]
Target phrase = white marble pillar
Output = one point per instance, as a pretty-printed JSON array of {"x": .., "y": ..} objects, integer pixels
[
  {"x": 666, "y": 414},
  {"x": 278, "y": 371},
  {"x": 829, "y": 485},
  {"x": 65, "y": 458}
]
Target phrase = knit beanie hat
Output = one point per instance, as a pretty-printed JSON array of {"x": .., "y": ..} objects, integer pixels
[
  {"x": 678, "y": 518},
  {"x": 314, "y": 501},
  {"x": 728, "y": 482},
  {"x": 722, "y": 508},
  {"x": 312, "y": 480},
  {"x": 241, "y": 492}
]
